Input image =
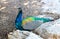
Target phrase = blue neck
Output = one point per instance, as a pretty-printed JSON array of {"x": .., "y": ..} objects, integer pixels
[{"x": 18, "y": 20}]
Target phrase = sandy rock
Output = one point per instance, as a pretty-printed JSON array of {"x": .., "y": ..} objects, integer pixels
[
  {"x": 18, "y": 34},
  {"x": 33, "y": 36},
  {"x": 49, "y": 30},
  {"x": 23, "y": 35},
  {"x": 37, "y": 7},
  {"x": 8, "y": 13}
]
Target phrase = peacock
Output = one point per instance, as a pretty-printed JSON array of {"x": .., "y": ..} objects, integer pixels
[{"x": 29, "y": 23}]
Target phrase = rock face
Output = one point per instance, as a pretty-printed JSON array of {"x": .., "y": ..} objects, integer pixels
[
  {"x": 37, "y": 7},
  {"x": 23, "y": 35},
  {"x": 49, "y": 30},
  {"x": 8, "y": 12}
]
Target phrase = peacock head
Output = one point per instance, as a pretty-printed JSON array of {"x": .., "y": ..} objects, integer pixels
[{"x": 19, "y": 9}]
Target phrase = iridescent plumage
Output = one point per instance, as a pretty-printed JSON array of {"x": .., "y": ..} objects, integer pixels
[
  {"x": 23, "y": 24},
  {"x": 18, "y": 21}
]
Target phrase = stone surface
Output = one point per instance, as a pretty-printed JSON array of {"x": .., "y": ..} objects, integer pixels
[
  {"x": 37, "y": 7},
  {"x": 8, "y": 12},
  {"x": 49, "y": 30},
  {"x": 23, "y": 35}
]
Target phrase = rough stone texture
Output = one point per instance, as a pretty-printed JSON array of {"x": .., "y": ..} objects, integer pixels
[
  {"x": 49, "y": 30},
  {"x": 8, "y": 13},
  {"x": 37, "y": 7},
  {"x": 23, "y": 35}
]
